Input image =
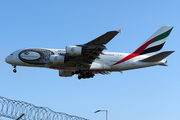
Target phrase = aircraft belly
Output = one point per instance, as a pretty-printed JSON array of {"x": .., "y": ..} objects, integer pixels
[
  {"x": 99, "y": 66},
  {"x": 31, "y": 65},
  {"x": 133, "y": 65}
]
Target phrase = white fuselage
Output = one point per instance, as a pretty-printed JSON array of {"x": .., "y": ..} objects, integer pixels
[{"x": 103, "y": 63}]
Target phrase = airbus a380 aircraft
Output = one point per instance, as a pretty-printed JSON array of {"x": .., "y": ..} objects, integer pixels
[{"x": 89, "y": 59}]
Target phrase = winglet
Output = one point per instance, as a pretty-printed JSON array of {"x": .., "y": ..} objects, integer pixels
[{"x": 120, "y": 31}]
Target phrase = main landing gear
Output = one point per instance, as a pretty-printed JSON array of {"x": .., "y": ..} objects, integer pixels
[
  {"x": 84, "y": 74},
  {"x": 14, "y": 70}
]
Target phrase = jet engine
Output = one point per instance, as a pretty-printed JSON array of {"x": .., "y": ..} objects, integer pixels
[
  {"x": 63, "y": 73},
  {"x": 57, "y": 59},
  {"x": 73, "y": 50}
]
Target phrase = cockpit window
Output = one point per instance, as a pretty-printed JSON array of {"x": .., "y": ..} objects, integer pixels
[
  {"x": 12, "y": 54},
  {"x": 26, "y": 53}
]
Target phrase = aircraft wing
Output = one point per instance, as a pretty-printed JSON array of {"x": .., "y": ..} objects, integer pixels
[
  {"x": 91, "y": 51},
  {"x": 103, "y": 39}
]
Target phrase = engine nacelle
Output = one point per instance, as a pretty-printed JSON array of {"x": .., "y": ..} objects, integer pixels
[
  {"x": 57, "y": 59},
  {"x": 64, "y": 73},
  {"x": 73, "y": 50}
]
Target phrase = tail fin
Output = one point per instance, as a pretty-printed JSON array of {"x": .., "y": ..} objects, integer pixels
[
  {"x": 155, "y": 43},
  {"x": 152, "y": 46}
]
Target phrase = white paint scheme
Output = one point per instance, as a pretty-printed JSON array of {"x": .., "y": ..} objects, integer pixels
[{"x": 102, "y": 64}]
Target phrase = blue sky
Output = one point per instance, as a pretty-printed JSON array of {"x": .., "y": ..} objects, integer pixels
[{"x": 142, "y": 94}]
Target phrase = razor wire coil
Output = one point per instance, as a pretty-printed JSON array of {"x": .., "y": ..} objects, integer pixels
[{"x": 13, "y": 109}]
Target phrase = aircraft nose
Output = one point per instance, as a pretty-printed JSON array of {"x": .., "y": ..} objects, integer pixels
[{"x": 8, "y": 59}]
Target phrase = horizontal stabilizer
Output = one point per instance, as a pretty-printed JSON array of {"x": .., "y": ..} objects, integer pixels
[{"x": 157, "y": 57}]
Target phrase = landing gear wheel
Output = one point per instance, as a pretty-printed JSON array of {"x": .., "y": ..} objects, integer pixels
[
  {"x": 79, "y": 77},
  {"x": 14, "y": 70},
  {"x": 84, "y": 74}
]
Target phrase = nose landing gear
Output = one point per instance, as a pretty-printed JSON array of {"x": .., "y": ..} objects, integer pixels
[{"x": 14, "y": 70}]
